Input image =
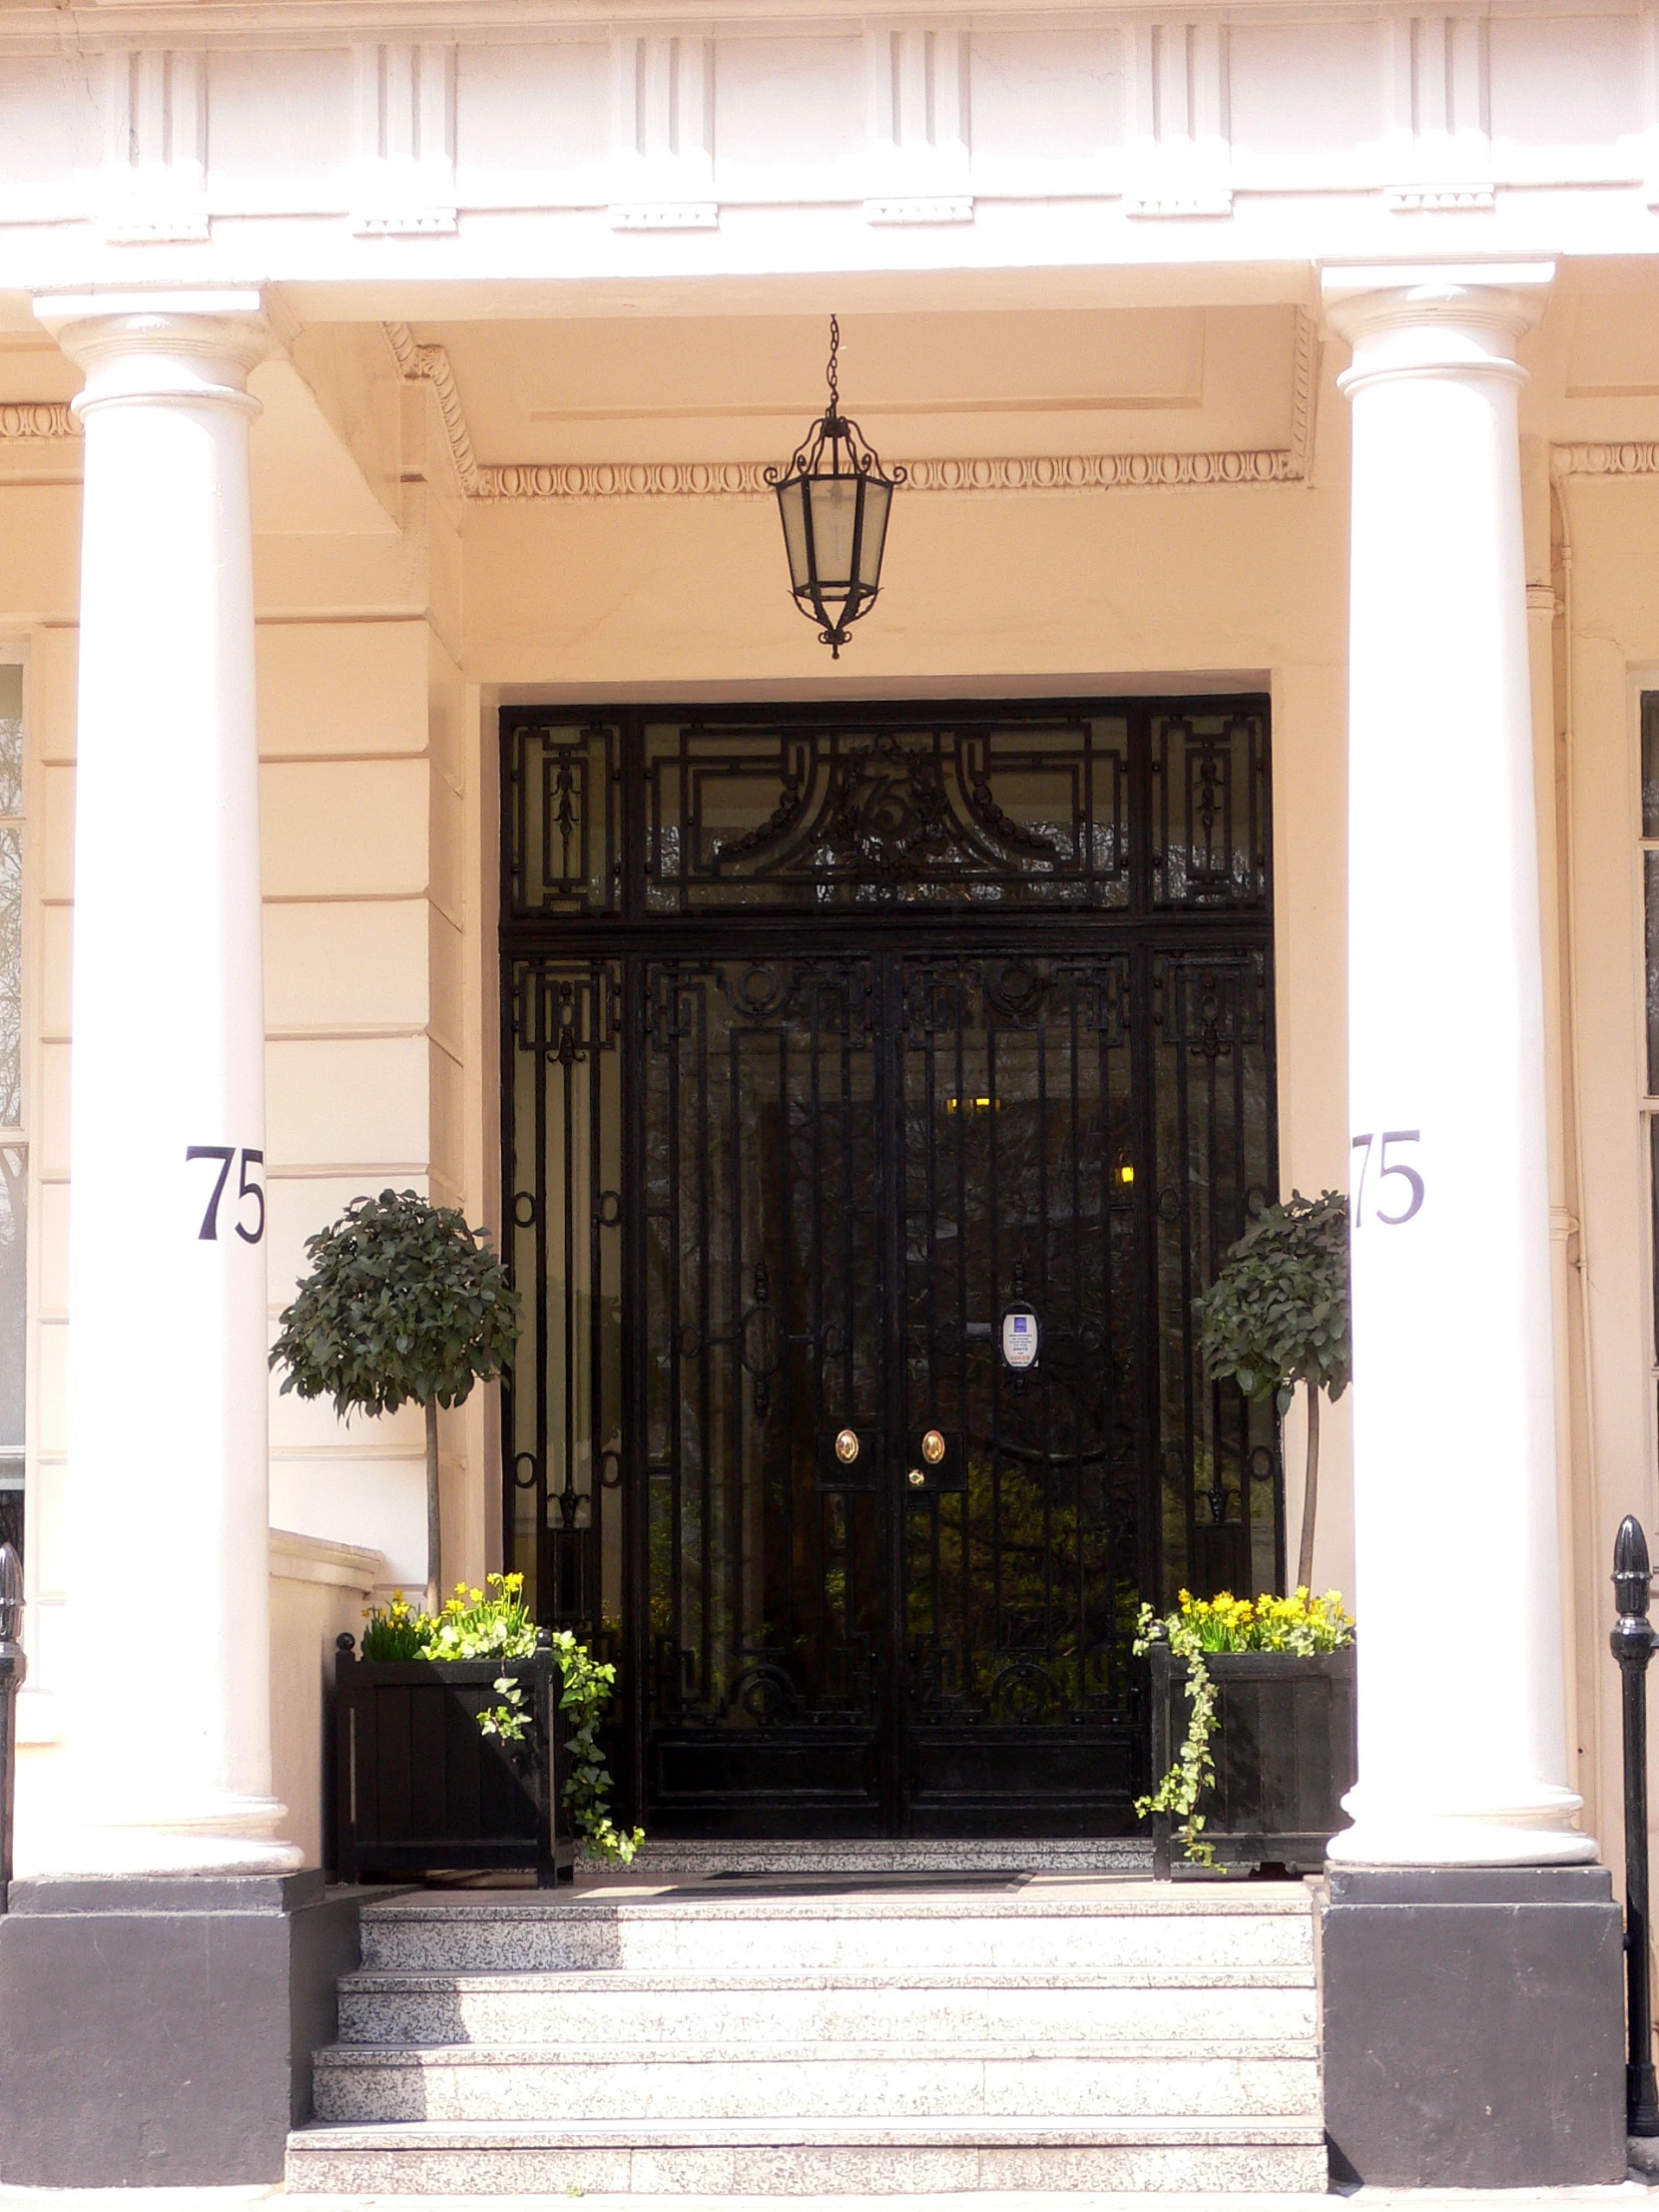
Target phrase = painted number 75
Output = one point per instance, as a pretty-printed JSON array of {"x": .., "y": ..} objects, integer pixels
[
  {"x": 247, "y": 1190},
  {"x": 1410, "y": 1199}
]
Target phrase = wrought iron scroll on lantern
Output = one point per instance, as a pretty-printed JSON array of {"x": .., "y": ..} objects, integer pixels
[{"x": 834, "y": 498}]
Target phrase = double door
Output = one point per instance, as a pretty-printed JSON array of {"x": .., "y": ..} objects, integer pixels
[
  {"x": 890, "y": 1570},
  {"x": 789, "y": 1192}
]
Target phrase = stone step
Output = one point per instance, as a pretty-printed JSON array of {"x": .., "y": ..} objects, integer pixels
[
  {"x": 365, "y": 2083},
  {"x": 726, "y": 2158},
  {"x": 595, "y": 2010},
  {"x": 684, "y": 1933}
]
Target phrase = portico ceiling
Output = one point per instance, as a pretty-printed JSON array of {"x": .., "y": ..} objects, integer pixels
[{"x": 723, "y": 390}]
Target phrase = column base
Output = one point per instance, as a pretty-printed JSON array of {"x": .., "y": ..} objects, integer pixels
[
  {"x": 230, "y": 1835},
  {"x": 159, "y": 2031},
  {"x": 1533, "y": 1831},
  {"x": 1473, "y": 2024}
]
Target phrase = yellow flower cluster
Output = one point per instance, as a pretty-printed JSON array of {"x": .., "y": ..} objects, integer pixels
[
  {"x": 1300, "y": 1622},
  {"x": 505, "y": 1589}
]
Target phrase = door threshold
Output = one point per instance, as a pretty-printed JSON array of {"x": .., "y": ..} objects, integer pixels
[{"x": 750, "y": 1856}]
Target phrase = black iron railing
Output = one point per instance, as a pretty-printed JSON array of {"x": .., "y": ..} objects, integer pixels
[
  {"x": 13, "y": 1667},
  {"x": 1633, "y": 1639}
]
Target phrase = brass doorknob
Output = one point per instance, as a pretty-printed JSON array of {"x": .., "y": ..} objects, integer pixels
[
  {"x": 846, "y": 1446},
  {"x": 917, "y": 1478},
  {"x": 932, "y": 1448}
]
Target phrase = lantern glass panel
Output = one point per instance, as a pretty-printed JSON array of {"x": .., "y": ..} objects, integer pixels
[
  {"x": 792, "y": 504},
  {"x": 835, "y": 516},
  {"x": 877, "y": 499}
]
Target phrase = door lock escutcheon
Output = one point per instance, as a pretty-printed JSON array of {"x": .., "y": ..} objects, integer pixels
[
  {"x": 848, "y": 1458},
  {"x": 937, "y": 1460}
]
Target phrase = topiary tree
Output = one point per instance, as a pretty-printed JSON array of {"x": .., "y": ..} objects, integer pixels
[
  {"x": 1278, "y": 1315},
  {"x": 402, "y": 1302}
]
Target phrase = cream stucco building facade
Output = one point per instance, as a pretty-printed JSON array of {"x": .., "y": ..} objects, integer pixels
[{"x": 528, "y": 299}]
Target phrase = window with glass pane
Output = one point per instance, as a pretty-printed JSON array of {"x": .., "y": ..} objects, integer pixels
[{"x": 14, "y": 1151}]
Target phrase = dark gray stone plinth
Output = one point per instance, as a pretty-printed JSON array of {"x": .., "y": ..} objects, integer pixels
[
  {"x": 1473, "y": 2026},
  {"x": 159, "y": 2031}
]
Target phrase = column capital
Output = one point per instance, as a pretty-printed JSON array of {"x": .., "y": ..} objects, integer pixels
[
  {"x": 1458, "y": 318},
  {"x": 160, "y": 345}
]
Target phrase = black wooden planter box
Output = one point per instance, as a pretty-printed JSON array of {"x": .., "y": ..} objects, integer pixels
[
  {"x": 1284, "y": 1752},
  {"x": 419, "y": 1789}
]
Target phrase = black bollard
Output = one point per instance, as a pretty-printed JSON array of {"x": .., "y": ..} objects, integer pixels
[
  {"x": 1632, "y": 1641},
  {"x": 13, "y": 1667}
]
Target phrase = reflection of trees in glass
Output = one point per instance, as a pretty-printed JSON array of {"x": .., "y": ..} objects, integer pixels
[
  {"x": 11, "y": 740},
  {"x": 1016, "y": 1592}
]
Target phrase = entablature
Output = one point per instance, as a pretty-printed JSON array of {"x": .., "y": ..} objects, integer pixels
[{"x": 979, "y": 137}]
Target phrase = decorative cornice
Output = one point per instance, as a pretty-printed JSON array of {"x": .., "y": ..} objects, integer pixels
[
  {"x": 25, "y": 421},
  {"x": 1304, "y": 394},
  {"x": 595, "y": 480},
  {"x": 1630, "y": 458},
  {"x": 586, "y": 480},
  {"x": 429, "y": 364},
  {"x": 36, "y": 418}
]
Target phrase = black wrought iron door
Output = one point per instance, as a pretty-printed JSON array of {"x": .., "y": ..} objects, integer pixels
[
  {"x": 764, "y": 1411},
  {"x": 1019, "y": 1550},
  {"x": 833, "y": 1038}
]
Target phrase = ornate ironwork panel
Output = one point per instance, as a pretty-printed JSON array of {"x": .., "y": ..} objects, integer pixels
[
  {"x": 829, "y": 1037},
  {"x": 1210, "y": 800},
  {"x": 1214, "y": 1169},
  {"x": 561, "y": 817},
  {"x": 563, "y": 1402},
  {"x": 796, "y": 812}
]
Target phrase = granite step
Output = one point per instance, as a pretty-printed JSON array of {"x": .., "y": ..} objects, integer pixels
[
  {"x": 684, "y": 1933},
  {"x": 946, "y": 2153},
  {"x": 596, "y": 2009},
  {"x": 813, "y": 2081},
  {"x": 802, "y": 2035}
]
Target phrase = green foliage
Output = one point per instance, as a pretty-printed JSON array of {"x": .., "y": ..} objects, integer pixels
[
  {"x": 493, "y": 1623},
  {"x": 588, "y": 1687},
  {"x": 1301, "y": 1623},
  {"x": 395, "y": 1632},
  {"x": 1277, "y": 1313},
  {"x": 402, "y": 1303}
]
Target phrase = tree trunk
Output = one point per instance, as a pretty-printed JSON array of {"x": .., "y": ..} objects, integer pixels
[
  {"x": 1309, "y": 1491},
  {"x": 435, "y": 1525}
]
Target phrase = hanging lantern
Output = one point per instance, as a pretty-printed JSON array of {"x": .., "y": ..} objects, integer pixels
[{"x": 833, "y": 498}]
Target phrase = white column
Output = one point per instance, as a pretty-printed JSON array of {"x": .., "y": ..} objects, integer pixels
[
  {"x": 168, "y": 1723},
  {"x": 1462, "y": 1739}
]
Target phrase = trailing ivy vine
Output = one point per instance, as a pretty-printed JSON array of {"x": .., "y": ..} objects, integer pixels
[{"x": 1198, "y": 1627}]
